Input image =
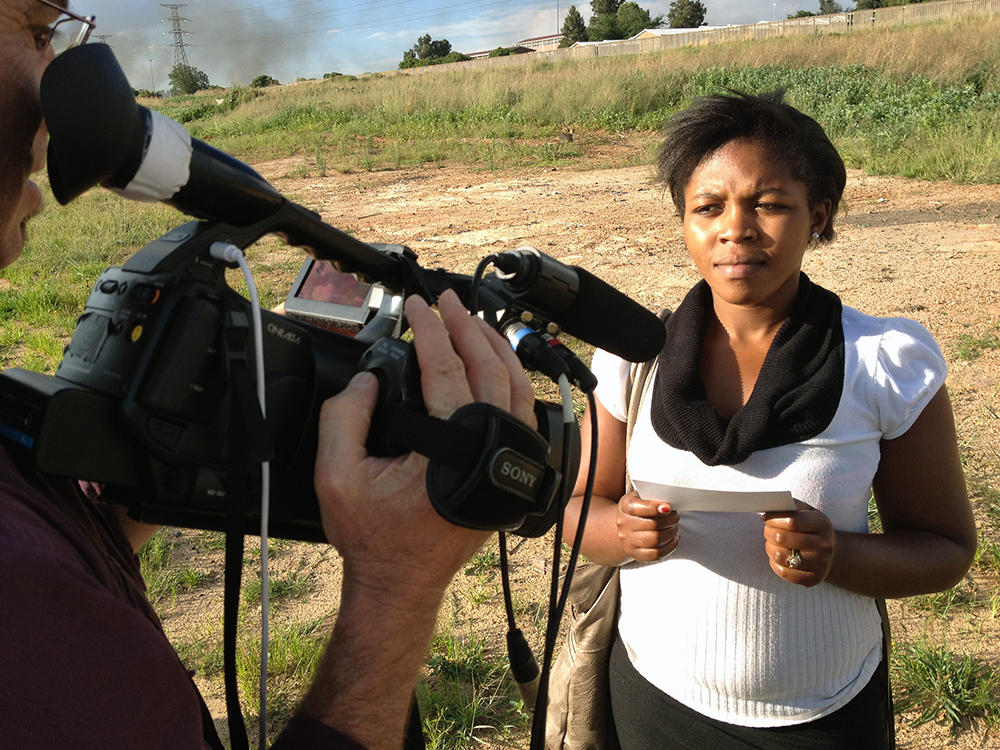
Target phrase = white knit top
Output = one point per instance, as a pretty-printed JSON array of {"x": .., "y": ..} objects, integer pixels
[{"x": 712, "y": 625}]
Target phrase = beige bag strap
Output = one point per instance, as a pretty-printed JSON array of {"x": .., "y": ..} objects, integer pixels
[{"x": 639, "y": 380}]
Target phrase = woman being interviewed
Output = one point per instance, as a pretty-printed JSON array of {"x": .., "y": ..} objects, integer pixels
[{"x": 742, "y": 630}]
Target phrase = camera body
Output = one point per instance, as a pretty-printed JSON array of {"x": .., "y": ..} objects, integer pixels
[{"x": 145, "y": 400}]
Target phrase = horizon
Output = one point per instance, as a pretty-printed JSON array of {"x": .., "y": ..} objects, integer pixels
[{"x": 292, "y": 39}]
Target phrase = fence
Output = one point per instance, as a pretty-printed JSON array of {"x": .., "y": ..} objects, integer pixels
[{"x": 838, "y": 23}]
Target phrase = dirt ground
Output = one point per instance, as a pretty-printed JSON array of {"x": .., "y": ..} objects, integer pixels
[{"x": 928, "y": 251}]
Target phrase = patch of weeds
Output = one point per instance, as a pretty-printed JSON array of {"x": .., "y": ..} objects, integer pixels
[
  {"x": 481, "y": 593},
  {"x": 971, "y": 347},
  {"x": 536, "y": 612},
  {"x": 987, "y": 554},
  {"x": 940, "y": 604},
  {"x": 467, "y": 696},
  {"x": 989, "y": 495},
  {"x": 294, "y": 652},
  {"x": 874, "y": 519},
  {"x": 209, "y": 540},
  {"x": 483, "y": 561},
  {"x": 163, "y": 579},
  {"x": 203, "y": 652},
  {"x": 292, "y": 586},
  {"x": 939, "y": 683}
]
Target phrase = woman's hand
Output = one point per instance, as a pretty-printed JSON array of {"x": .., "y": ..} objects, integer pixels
[
  {"x": 647, "y": 529},
  {"x": 800, "y": 545}
]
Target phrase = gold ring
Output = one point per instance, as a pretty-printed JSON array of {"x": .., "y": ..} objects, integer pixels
[{"x": 794, "y": 559}]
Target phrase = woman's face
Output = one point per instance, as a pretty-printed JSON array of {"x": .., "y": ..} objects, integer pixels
[{"x": 746, "y": 225}]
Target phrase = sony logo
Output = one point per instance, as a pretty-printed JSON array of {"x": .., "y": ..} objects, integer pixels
[
  {"x": 283, "y": 334},
  {"x": 514, "y": 473},
  {"x": 507, "y": 469}
]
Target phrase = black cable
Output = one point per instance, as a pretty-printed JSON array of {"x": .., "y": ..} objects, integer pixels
[
  {"x": 505, "y": 579},
  {"x": 472, "y": 303},
  {"x": 556, "y": 612}
]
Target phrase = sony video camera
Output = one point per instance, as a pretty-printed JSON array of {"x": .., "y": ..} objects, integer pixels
[{"x": 155, "y": 395}]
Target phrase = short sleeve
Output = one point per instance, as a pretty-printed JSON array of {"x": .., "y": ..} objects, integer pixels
[
  {"x": 612, "y": 382},
  {"x": 911, "y": 369}
]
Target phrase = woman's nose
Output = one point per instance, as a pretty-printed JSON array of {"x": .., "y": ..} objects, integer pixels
[{"x": 738, "y": 225}]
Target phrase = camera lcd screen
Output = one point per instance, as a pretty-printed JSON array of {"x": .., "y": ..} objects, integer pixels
[
  {"x": 324, "y": 283},
  {"x": 324, "y": 296}
]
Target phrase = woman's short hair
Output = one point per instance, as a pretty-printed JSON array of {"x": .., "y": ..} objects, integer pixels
[{"x": 789, "y": 136}]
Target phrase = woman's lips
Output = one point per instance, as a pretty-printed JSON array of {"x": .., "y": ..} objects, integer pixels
[{"x": 738, "y": 268}]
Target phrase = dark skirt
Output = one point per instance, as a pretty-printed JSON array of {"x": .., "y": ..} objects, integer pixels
[{"x": 648, "y": 719}]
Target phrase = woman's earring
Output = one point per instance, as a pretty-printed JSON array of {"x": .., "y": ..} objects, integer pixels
[{"x": 815, "y": 235}]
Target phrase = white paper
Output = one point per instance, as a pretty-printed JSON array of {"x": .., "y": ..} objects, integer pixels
[{"x": 722, "y": 501}]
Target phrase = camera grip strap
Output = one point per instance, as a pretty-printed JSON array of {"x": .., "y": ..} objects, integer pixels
[{"x": 488, "y": 469}]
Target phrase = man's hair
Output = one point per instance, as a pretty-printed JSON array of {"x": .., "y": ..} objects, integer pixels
[{"x": 788, "y": 136}]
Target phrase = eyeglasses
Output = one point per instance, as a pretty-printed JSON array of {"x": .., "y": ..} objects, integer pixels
[{"x": 69, "y": 30}]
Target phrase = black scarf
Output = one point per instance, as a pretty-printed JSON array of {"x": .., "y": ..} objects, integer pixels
[{"x": 796, "y": 394}]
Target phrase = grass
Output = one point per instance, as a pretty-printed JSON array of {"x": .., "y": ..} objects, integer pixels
[
  {"x": 939, "y": 683},
  {"x": 295, "y": 585},
  {"x": 970, "y": 347},
  {"x": 164, "y": 579},
  {"x": 888, "y": 113},
  {"x": 468, "y": 698},
  {"x": 294, "y": 652}
]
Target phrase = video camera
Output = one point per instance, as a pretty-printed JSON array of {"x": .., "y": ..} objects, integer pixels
[{"x": 154, "y": 395}]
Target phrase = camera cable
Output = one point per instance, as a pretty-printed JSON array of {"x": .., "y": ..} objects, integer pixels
[
  {"x": 232, "y": 254},
  {"x": 558, "y": 603}
]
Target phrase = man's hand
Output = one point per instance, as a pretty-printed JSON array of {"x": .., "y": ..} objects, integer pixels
[
  {"x": 375, "y": 510},
  {"x": 399, "y": 554}
]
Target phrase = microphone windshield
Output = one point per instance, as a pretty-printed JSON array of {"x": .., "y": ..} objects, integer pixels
[{"x": 606, "y": 318}]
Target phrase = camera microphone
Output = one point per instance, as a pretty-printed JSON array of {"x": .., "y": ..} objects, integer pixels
[{"x": 582, "y": 304}]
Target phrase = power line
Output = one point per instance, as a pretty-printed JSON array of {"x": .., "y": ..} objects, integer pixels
[{"x": 180, "y": 53}]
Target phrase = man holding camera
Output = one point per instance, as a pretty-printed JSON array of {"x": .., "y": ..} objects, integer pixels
[{"x": 85, "y": 662}]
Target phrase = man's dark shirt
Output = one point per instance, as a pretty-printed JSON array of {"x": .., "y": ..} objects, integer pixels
[{"x": 85, "y": 662}]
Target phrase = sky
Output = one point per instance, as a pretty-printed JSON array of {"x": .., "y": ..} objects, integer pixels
[{"x": 233, "y": 41}]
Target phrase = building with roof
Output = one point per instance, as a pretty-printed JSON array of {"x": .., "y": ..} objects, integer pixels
[{"x": 541, "y": 43}]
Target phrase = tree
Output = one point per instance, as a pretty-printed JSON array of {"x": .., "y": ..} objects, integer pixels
[
  {"x": 801, "y": 14},
  {"x": 574, "y": 28},
  {"x": 627, "y": 21},
  {"x": 187, "y": 79},
  {"x": 604, "y": 7},
  {"x": 829, "y": 7},
  {"x": 426, "y": 49},
  {"x": 604, "y": 26},
  {"x": 500, "y": 52},
  {"x": 686, "y": 14},
  {"x": 632, "y": 19},
  {"x": 262, "y": 82}
]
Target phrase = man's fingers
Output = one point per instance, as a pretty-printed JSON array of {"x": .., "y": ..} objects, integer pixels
[
  {"x": 442, "y": 373},
  {"x": 488, "y": 376},
  {"x": 463, "y": 360},
  {"x": 343, "y": 425},
  {"x": 522, "y": 394}
]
